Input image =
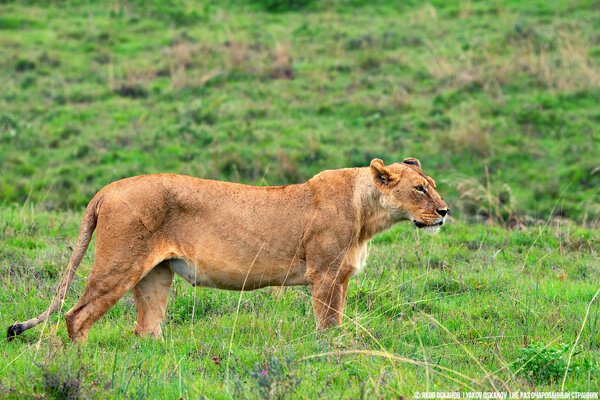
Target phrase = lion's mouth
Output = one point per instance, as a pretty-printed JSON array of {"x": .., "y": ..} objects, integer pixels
[{"x": 420, "y": 224}]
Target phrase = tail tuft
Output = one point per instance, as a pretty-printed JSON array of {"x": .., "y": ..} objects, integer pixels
[{"x": 13, "y": 331}]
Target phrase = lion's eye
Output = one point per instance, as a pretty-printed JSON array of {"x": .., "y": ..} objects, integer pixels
[{"x": 420, "y": 188}]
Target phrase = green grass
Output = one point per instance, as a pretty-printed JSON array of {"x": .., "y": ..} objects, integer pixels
[
  {"x": 97, "y": 91},
  {"x": 498, "y": 99},
  {"x": 462, "y": 310}
]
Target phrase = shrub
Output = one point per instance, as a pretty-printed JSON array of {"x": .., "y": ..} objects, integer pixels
[
  {"x": 61, "y": 386},
  {"x": 541, "y": 363},
  {"x": 282, "y": 5},
  {"x": 273, "y": 379}
]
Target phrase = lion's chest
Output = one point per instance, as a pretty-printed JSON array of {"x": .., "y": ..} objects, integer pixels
[{"x": 357, "y": 257}]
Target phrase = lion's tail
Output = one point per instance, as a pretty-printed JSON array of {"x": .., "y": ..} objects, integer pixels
[{"x": 88, "y": 225}]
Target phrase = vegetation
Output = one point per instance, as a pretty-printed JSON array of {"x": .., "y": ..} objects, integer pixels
[
  {"x": 462, "y": 310},
  {"x": 543, "y": 363},
  {"x": 499, "y": 101}
]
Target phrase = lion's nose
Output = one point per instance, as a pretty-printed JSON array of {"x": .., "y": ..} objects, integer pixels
[{"x": 442, "y": 212}]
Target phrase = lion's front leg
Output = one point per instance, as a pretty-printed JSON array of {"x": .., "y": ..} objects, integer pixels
[
  {"x": 328, "y": 292},
  {"x": 329, "y": 266}
]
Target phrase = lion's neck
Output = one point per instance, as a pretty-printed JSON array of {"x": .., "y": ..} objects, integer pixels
[{"x": 373, "y": 218}]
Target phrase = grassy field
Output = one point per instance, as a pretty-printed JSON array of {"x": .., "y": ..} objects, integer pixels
[
  {"x": 499, "y": 101},
  {"x": 456, "y": 311},
  {"x": 489, "y": 95}
]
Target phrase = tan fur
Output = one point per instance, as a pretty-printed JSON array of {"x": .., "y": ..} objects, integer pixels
[{"x": 237, "y": 237}]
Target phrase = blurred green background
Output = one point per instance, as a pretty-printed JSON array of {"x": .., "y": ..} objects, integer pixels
[{"x": 498, "y": 99}]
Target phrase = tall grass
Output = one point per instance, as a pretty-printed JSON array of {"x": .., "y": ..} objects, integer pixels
[{"x": 438, "y": 312}]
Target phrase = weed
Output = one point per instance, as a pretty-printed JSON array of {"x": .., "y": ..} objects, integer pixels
[
  {"x": 541, "y": 363},
  {"x": 491, "y": 202},
  {"x": 61, "y": 384},
  {"x": 274, "y": 379}
]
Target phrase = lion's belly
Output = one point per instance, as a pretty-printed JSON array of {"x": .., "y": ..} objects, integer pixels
[{"x": 233, "y": 277}]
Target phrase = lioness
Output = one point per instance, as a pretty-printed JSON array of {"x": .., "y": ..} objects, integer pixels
[{"x": 237, "y": 237}]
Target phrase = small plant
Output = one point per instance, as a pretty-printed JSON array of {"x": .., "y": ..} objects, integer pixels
[
  {"x": 133, "y": 91},
  {"x": 541, "y": 363},
  {"x": 274, "y": 379},
  {"x": 24, "y": 64},
  {"x": 493, "y": 203},
  {"x": 61, "y": 386},
  {"x": 282, "y": 5}
]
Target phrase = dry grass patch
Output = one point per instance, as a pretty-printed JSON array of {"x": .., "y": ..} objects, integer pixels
[
  {"x": 493, "y": 202},
  {"x": 560, "y": 62},
  {"x": 468, "y": 130},
  {"x": 188, "y": 64},
  {"x": 133, "y": 82},
  {"x": 566, "y": 68},
  {"x": 238, "y": 57},
  {"x": 282, "y": 64}
]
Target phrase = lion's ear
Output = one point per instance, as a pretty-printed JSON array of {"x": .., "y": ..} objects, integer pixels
[
  {"x": 382, "y": 176},
  {"x": 412, "y": 161}
]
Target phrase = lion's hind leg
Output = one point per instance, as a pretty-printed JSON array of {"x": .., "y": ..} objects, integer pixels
[
  {"x": 151, "y": 296},
  {"x": 112, "y": 276}
]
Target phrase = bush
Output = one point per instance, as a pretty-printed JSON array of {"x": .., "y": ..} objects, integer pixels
[
  {"x": 282, "y": 5},
  {"x": 541, "y": 363}
]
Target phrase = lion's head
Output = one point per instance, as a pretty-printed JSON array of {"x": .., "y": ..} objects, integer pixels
[{"x": 408, "y": 194}]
